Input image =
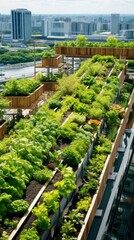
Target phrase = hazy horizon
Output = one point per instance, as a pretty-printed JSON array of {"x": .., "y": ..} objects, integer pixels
[{"x": 70, "y": 6}]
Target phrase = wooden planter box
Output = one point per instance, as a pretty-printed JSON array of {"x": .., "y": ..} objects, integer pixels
[
  {"x": 122, "y": 75},
  {"x": 25, "y": 101},
  {"x": 53, "y": 62},
  {"x": 50, "y": 86},
  {"x": 3, "y": 128},
  {"x": 123, "y": 53}
]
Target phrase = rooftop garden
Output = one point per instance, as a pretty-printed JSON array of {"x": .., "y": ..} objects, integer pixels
[{"x": 56, "y": 139}]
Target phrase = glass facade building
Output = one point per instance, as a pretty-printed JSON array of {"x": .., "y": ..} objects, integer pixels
[{"x": 21, "y": 24}]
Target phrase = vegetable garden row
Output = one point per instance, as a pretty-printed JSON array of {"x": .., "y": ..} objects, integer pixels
[{"x": 61, "y": 150}]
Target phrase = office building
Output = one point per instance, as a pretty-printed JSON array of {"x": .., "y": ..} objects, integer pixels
[
  {"x": 21, "y": 24},
  {"x": 56, "y": 27},
  {"x": 115, "y": 21}
]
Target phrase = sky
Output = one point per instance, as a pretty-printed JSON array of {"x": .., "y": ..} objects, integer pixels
[{"x": 69, "y": 6}]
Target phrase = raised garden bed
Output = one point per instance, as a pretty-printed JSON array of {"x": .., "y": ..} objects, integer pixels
[
  {"x": 25, "y": 101},
  {"x": 52, "y": 62},
  {"x": 86, "y": 52},
  {"x": 104, "y": 175}
]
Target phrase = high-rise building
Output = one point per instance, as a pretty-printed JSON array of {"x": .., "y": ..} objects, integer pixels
[
  {"x": 115, "y": 22},
  {"x": 21, "y": 24}
]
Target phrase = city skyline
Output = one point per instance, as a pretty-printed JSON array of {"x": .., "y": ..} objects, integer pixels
[{"x": 69, "y": 6}]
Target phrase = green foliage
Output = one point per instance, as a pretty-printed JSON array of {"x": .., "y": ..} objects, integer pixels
[
  {"x": 75, "y": 216},
  {"x": 84, "y": 204},
  {"x": 81, "y": 41},
  {"x": 112, "y": 41},
  {"x": 68, "y": 85},
  {"x": 42, "y": 174},
  {"x": 86, "y": 96},
  {"x": 51, "y": 200},
  {"x": 29, "y": 234},
  {"x": 43, "y": 221},
  {"x": 67, "y": 185},
  {"x": 131, "y": 63},
  {"x": 111, "y": 133},
  {"x": 21, "y": 87},
  {"x": 112, "y": 117},
  {"x": 96, "y": 113},
  {"x": 48, "y": 53},
  {"x": 103, "y": 145},
  {"x": 19, "y": 206},
  {"x": 68, "y": 229},
  {"x": 20, "y": 56},
  {"x": 4, "y": 236},
  {"x": 77, "y": 118},
  {"x": 55, "y": 104},
  {"x": 125, "y": 94},
  {"x": 68, "y": 132},
  {"x": 88, "y": 80},
  {"x": 71, "y": 156},
  {"x": 81, "y": 108},
  {"x": 5, "y": 200},
  {"x": 8, "y": 222},
  {"x": 105, "y": 101}
]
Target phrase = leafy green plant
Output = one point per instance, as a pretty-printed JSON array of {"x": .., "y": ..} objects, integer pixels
[
  {"x": 68, "y": 132},
  {"x": 111, "y": 117},
  {"x": 75, "y": 216},
  {"x": 81, "y": 41},
  {"x": 68, "y": 228},
  {"x": 29, "y": 234},
  {"x": 111, "y": 133},
  {"x": 77, "y": 118},
  {"x": 49, "y": 53},
  {"x": 51, "y": 200},
  {"x": 81, "y": 108},
  {"x": 84, "y": 204},
  {"x": 42, "y": 175},
  {"x": 43, "y": 221},
  {"x": 4, "y": 236},
  {"x": 88, "y": 80},
  {"x": 19, "y": 206},
  {"x": 5, "y": 200},
  {"x": 71, "y": 156},
  {"x": 8, "y": 222},
  {"x": 96, "y": 113},
  {"x": 68, "y": 85},
  {"x": 21, "y": 87},
  {"x": 55, "y": 104},
  {"x": 86, "y": 95},
  {"x": 67, "y": 185}
]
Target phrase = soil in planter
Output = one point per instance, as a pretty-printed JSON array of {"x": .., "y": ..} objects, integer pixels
[
  {"x": 49, "y": 188},
  {"x": 32, "y": 189}
]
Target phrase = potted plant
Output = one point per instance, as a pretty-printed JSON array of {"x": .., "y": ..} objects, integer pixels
[
  {"x": 50, "y": 82},
  {"x": 50, "y": 59}
]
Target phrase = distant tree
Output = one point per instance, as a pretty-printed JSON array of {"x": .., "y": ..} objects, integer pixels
[{"x": 112, "y": 41}]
